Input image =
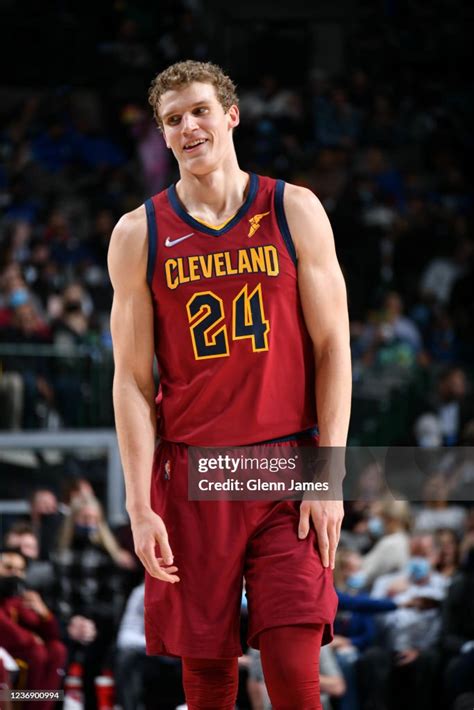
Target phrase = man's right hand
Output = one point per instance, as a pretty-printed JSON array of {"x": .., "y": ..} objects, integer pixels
[{"x": 149, "y": 530}]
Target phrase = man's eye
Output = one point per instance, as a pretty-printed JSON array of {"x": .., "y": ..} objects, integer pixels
[
  {"x": 173, "y": 120},
  {"x": 201, "y": 109}
]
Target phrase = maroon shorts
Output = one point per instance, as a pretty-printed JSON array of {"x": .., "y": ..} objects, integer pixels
[{"x": 216, "y": 544}]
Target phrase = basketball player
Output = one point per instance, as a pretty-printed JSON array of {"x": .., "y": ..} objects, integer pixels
[{"x": 232, "y": 280}]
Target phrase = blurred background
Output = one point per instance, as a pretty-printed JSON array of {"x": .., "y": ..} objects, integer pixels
[{"x": 370, "y": 105}]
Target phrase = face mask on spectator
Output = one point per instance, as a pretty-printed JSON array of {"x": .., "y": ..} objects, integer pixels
[
  {"x": 84, "y": 531},
  {"x": 73, "y": 307},
  {"x": 376, "y": 526},
  {"x": 11, "y": 586},
  {"x": 356, "y": 581},
  {"x": 18, "y": 298},
  {"x": 418, "y": 568}
]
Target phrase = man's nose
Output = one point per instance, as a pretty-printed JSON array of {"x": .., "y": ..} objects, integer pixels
[{"x": 188, "y": 123}]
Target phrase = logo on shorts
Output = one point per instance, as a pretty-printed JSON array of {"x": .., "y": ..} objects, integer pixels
[{"x": 167, "y": 469}]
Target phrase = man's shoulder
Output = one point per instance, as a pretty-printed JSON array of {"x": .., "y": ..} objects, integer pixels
[
  {"x": 128, "y": 244},
  {"x": 298, "y": 197},
  {"x": 307, "y": 220},
  {"x": 130, "y": 224}
]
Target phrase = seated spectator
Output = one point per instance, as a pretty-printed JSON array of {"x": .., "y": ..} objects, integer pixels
[
  {"x": 27, "y": 328},
  {"x": 457, "y": 637},
  {"x": 404, "y": 670},
  {"x": 134, "y": 670},
  {"x": 354, "y": 628},
  {"x": 331, "y": 680},
  {"x": 90, "y": 568},
  {"x": 437, "y": 512},
  {"x": 422, "y": 545},
  {"x": 427, "y": 431},
  {"x": 28, "y": 630},
  {"x": 391, "y": 338},
  {"x": 447, "y": 563},
  {"x": 390, "y": 553},
  {"x": 451, "y": 403},
  {"x": 442, "y": 271},
  {"x": 39, "y": 573},
  {"x": 336, "y": 121}
]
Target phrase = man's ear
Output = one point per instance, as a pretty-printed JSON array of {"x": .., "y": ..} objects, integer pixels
[{"x": 234, "y": 116}]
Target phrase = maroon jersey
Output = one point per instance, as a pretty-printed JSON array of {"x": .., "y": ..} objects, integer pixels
[{"x": 235, "y": 358}]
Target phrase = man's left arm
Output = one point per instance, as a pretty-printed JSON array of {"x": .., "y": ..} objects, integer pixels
[{"x": 324, "y": 301}]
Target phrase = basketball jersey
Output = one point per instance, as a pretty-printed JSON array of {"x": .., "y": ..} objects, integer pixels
[{"x": 234, "y": 355}]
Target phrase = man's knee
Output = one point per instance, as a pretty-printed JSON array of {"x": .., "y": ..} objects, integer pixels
[
  {"x": 210, "y": 683},
  {"x": 57, "y": 653}
]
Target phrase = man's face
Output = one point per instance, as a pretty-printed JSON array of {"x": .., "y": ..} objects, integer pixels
[
  {"x": 12, "y": 565},
  {"x": 196, "y": 128},
  {"x": 26, "y": 542}
]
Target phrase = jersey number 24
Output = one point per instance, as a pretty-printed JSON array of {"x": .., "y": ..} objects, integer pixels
[{"x": 206, "y": 312}]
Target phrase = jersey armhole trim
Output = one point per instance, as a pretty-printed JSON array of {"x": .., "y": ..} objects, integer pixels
[
  {"x": 152, "y": 240},
  {"x": 282, "y": 221}
]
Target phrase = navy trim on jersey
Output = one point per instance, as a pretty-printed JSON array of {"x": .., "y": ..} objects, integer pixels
[
  {"x": 306, "y": 434},
  {"x": 152, "y": 239},
  {"x": 281, "y": 219},
  {"x": 198, "y": 226}
]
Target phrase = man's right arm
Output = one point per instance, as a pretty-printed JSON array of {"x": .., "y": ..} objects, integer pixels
[{"x": 134, "y": 387}]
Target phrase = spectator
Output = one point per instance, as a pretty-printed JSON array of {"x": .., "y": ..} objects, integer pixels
[
  {"x": 405, "y": 668},
  {"x": 90, "y": 570},
  {"x": 390, "y": 553},
  {"x": 441, "y": 273},
  {"x": 135, "y": 672},
  {"x": 451, "y": 403},
  {"x": 393, "y": 338},
  {"x": 27, "y": 329},
  {"x": 457, "y": 636},
  {"x": 436, "y": 511},
  {"x": 448, "y": 546},
  {"x": 337, "y": 123},
  {"x": 29, "y": 630},
  {"x": 422, "y": 545},
  {"x": 354, "y": 627},
  {"x": 39, "y": 573}
]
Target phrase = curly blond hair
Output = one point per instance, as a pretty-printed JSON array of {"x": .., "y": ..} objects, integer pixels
[{"x": 182, "y": 74}]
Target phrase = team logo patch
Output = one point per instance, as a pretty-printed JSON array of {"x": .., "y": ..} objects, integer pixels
[
  {"x": 255, "y": 222},
  {"x": 167, "y": 469}
]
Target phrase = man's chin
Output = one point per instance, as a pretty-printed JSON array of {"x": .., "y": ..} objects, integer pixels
[{"x": 200, "y": 166}]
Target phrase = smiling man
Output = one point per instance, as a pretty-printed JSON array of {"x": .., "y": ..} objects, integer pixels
[{"x": 231, "y": 280}]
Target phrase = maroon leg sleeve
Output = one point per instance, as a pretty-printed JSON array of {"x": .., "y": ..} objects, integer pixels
[
  {"x": 210, "y": 683},
  {"x": 290, "y": 661}
]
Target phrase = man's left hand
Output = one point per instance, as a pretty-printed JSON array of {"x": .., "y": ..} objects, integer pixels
[
  {"x": 404, "y": 658},
  {"x": 327, "y": 518},
  {"x": 32, "y": 600}
]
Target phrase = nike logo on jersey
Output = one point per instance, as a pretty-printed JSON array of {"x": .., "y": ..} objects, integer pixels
[
  {"x": 255, "y": 222},
  {"x": 171, "y": 242}
]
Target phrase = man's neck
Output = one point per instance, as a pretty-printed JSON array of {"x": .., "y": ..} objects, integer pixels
[{"x": 214, "y": 197}]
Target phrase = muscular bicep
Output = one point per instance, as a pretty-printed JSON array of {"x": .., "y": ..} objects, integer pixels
[
  {"x": 320, "y": 280},
  {"x": 131, "y": 322}
]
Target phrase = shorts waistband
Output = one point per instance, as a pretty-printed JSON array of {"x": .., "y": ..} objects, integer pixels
[
  {"x": 310, "y": 433},
  {"x": 305, "y": 434}
]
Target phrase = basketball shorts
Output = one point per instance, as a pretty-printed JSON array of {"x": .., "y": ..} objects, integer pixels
[{"x": 218, "y": 544}]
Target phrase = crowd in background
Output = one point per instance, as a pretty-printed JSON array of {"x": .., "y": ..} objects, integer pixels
[
  {"x": 72, "y": 595},
  {"x": 388, "y": 150},
  {"x": 389, "y": 159}
]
